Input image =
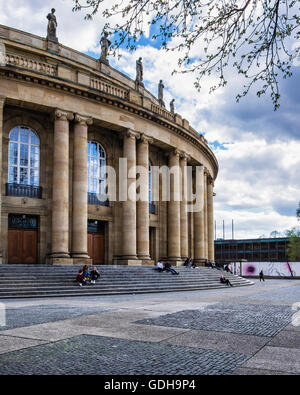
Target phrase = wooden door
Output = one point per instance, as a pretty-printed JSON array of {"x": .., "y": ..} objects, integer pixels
[
  {"x": 96, "y": 248},
  {"x": 15, "y": 245},
  {"x": 22, "y": 246}
]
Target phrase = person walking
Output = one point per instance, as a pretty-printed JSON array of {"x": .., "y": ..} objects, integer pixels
[{"x": 261, "y": 276}]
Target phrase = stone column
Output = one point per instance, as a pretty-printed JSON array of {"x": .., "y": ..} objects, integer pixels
[
  {"x": 199, "y": 227},
  {"x": 80, "y": 204},
  {"x": 60, "y": 189},
  {"x": 184, "y": 231},
  {"x": 205, "y": 217},
  {"x": 210, "y": 220},
  {"x": 2, "y": 102},
  {"x": 174, "y": 249},
  {"x": 143, "y": 203},
  {"x": 129, "y": 256}
]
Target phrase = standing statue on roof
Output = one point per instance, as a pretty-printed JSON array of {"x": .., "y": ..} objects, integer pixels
[
  {"x": 105, "y": 43},
  {"x": 172, "y": 107},
  {"x": 52, "y": 25},
  {"x": 161, "y": 93},
  {"x": 139, "y": 72}
]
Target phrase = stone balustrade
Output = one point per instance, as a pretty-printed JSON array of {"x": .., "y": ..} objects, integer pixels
[
  {"x": 108, "y": 88},
  {"x": 162, "y": 112},
  {"x": 30, "y": 64}
]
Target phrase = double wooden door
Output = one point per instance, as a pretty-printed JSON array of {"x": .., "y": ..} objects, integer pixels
[{"x": 22, "y": 246}]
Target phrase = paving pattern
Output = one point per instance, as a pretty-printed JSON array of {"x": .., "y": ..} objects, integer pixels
[
  {"x": 106, "y": 356},
  {"x": 215, "y": 332},
  {"x": 247, "y": 319},
  {"x": 41, "y": 314}
]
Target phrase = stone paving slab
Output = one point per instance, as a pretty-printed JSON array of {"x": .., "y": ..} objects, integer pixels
[
  {"x": 136, "y": 332},
  {"x": 289, "y": 339},
  {"x": 52, "y": 331},
  {"x": 247, "y": 345},
  {"x": 107, "y": 356},
  {"x": 247, "y": 319},
  {"x": 40, "y": 314},
  {"x": 259, "y": 372},
  {"x": 280, "y": 359},
  {"x": 8, "y": 343}
]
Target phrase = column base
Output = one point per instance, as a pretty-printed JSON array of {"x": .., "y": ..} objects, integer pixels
[
  {"x": 59, "y": 261},
  {"x": 175, "y": 261},
  {"x": 200, "y": 261},
  {"x": 1, "y": 261},
  {"x": 148, "y": 262},
  {"x": 82, "y": 261},
  {"x": 128, "y": 262}
]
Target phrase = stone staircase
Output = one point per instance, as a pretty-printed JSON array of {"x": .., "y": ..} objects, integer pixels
[{"x": 26, "y": 281}]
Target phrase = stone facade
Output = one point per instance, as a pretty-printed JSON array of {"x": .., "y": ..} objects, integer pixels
[{"x": 67, "y": 99}]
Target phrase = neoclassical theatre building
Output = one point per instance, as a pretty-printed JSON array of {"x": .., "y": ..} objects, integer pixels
[{"x": 64, "y": 118}]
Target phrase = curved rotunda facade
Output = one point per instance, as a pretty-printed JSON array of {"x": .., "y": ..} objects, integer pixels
[{"x": 65, "y": 119}]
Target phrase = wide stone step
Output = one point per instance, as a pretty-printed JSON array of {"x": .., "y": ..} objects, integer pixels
[
  {"x": 24, "y": 281},
  {"x": 113, "y": 291}
]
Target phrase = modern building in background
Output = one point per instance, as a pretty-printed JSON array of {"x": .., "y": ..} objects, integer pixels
[
  {"x": 252, "y": 250},
  {"x": 248, "y": 257}
]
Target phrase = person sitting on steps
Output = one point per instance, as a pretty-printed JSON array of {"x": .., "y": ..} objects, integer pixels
[
  {"x": 79, "y": 278},
  {"x": 159, "y": 266},
  {"x": 168, "y": 268},
  {"x": 94, "y": 274},
  {"x": 223, "y": 280}
]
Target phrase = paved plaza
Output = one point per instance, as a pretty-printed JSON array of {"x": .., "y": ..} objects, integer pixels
[{"x": 251, "y": 330}]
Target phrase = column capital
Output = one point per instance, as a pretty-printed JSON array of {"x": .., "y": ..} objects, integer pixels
[
  {"x": 132, "y": 134},
  {"x": 83, "y": 120},
  {"x": 146, "y": 139},
  {"x": 173, "y": 152},
  {"x": 63, "y": 115},
  {"x": 184, "y": 156}
]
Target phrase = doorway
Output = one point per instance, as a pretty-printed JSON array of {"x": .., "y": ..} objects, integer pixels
[
  {"x": 96, "y": 241},
  {"x": 22, "y": 238}
]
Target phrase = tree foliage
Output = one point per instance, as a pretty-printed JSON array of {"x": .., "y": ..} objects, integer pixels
[
  {"x": 294, "y": 243},
  {"x": 255, "y": 37}
]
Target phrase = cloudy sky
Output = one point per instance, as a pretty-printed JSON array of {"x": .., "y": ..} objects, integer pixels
[{"x": 258, "y": 150}]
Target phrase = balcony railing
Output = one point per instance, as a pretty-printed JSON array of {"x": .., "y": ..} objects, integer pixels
[
  {"x": 21, "y": 190},
  {"x": 93, "y": 199}
]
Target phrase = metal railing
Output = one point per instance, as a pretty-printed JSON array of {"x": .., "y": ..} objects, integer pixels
[
  {"x": 23, "y": 190},
  {"x": 93, "y": 199}
]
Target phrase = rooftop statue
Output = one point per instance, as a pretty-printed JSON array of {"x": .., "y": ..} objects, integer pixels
[
  {"x": 172, "y": 107},
  {"x": 105, "y": 43},
  {"x": 139, "y": 72},
  {"x": 52, "y": 25},
  {"x": 161, "y": 93}
]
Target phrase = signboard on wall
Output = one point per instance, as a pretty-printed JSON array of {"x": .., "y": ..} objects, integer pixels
[{"x": 280, "y": 269}]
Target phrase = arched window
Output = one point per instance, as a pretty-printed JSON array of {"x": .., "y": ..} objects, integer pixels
[
  {"x": 24, "y": 157},
  {"x": 96, "y": 168}
]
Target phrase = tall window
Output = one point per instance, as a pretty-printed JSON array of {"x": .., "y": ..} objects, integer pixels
[
  {"x": 23, "y": 156},
  {"x": 96, "y": 168},
  {"x": 150, "y": 183}
]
